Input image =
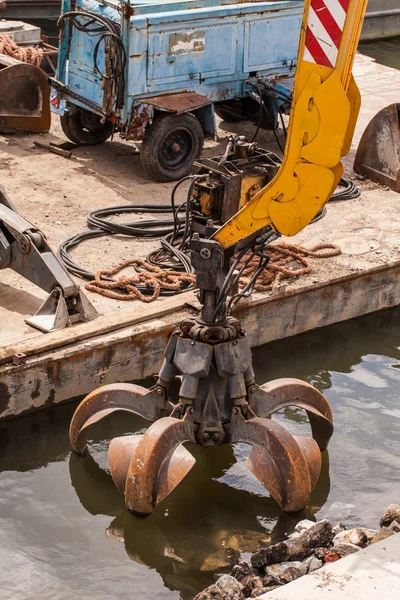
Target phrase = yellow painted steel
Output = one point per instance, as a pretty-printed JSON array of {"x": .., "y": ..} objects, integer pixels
[{"x": 326, "y": 103}]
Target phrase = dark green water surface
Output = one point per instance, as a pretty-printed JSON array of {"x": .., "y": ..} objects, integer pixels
[
  {"x": 64, "y": 530},
  {"x": 386, "y": 52}
]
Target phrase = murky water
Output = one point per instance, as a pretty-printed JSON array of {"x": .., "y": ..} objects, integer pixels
[
  {"x": 64, "y": 530},
  {"x": 386, "y": 52}
]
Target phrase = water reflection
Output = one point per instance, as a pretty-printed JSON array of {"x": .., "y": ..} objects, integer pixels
[
  {"x": 192, "y": 530},
  {"x": 50, "y": 528}
]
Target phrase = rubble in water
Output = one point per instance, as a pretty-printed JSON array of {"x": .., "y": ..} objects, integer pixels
[{"x": 307, "y": 549}]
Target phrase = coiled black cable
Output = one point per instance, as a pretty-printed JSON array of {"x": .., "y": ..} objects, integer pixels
[{"x": 109, "y": 33}]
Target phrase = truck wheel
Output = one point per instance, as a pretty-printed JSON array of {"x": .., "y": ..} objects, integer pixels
[
  {"x": 84, "y": 128},
  {"x": 171, "y": 145}
]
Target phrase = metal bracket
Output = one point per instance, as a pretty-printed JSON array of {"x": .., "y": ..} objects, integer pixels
[{"x": 24, "y": 249}]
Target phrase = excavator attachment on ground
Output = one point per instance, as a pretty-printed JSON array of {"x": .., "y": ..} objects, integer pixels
[
  {"x": 24, "y": 249},
  {"x": 219, "y": 401},
  {"x": 378, "y": 154},
  {"x": 24, "y": 96}
]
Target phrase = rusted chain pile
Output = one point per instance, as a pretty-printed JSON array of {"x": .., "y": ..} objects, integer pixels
[
  {"x": 287, "y": 261},
  {"x": 29, "y": 54},
  {"x": 124, "y": 287}
]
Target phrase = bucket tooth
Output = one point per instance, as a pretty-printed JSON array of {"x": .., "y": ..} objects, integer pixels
[
  {"x": 157, "y": 465},
  {"x": 112, "y": 398},
  {"x": 278, "y": 461},
  {"x": 282, "y": 393}
]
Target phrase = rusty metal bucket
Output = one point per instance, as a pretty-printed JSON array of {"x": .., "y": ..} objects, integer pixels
[
  {"x": 24, "y": 96},
  {"x": 378, "y": 154}
]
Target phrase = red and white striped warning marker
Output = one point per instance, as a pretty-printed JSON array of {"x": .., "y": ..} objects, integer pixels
[{"x": 325, "y": 26}]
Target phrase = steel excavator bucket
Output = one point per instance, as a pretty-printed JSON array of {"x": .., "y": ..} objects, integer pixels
[
  {"x": 24, "y": 96},
  {"x": 378, "y": 154}
]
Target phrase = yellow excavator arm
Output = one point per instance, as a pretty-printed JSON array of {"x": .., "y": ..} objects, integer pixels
[{"x": 326, "y": 103}]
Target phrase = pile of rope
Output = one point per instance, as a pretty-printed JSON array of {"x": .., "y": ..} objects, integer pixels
[
  {"x": 287, "y": 261},
  {"x": 124, "y": 288},
  {"x": 28, "y": 54}
]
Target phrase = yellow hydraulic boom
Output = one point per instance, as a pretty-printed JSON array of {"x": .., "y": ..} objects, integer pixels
[
  {"x": 325, "y": 108},
  {"x": 219, "y": 401}
]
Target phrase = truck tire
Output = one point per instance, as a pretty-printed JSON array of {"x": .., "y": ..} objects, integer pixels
[
  {"x": 85, "y": 129},
  {"x": 171, "y": 145}
]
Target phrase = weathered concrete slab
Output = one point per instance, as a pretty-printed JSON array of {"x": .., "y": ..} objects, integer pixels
[
  {"x": 127, "y": 342},
  {"x": 133, "y": 353},
  {"x": 373, "y": 573}
]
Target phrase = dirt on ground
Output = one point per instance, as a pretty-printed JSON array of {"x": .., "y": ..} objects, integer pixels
[{"x": 56, "y": 194}]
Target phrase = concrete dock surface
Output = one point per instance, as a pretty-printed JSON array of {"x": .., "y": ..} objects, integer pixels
[
  {"x": 127, "y": 341},
  {"x": 370, "y": 574}
]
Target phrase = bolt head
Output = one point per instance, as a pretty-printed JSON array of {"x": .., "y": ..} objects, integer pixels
[{"x": 205, "y": 253}]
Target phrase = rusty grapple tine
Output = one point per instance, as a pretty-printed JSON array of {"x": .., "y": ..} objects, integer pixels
[
  {"x": 282, "y": 393},
  {"x": 147, "y": 468},
  {"x": 287, "y": 468},
  {"x": 111, "y": 398}
]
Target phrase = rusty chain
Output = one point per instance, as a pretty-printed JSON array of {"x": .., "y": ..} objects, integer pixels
[
  {"x": 147, "y": 274},
  {"x": 287, "y": 261}
]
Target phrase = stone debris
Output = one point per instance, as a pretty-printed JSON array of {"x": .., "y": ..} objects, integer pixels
[
  {"x": 302, "y": 525},
  {"x": 287, "y": 571},
  {"x": 307, "y": 549},
  {"x": 392, "y": 513},
  {"x": 359, "y": 536},
  {"x": 338, "y": 527},
  {"x": 320, "y": 534},
  {"x": 344, "y": 549},
  {"x": 226, "y": 588},
  {"x": 242, "y": 569},
  {"x": 395, "y": 525},
  {"x": 264, "y": 590},
  {"x": 383, "y": 534},
  {"x": 320, "y": 553},
  {"x": 312, "y": 563}
]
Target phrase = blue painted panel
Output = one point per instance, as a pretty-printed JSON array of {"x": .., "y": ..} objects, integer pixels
[
  {"x": 179, "y": 55},
  {"x": 208, "y": 46},
  {"x": 271, "y": 42}
]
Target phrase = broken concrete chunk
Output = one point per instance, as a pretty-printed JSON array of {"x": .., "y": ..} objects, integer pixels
[
  {"x": 383, "y": 534},
  {"x": 270, "y": 580},
  {"x": 395, "y": 525},
  {"x": 269, "y": 556},
  {"x": 226, "y": 588},
  {"x": 312, "y": 563},
  {"x": 344, "y": 549},
  {"x": 315, "y": 564},
  {"x": 242, "y": 570},
  {"x": 264, "y": 590},
  {"x": 338, "y": 527},
  {"x": 320, "y": 553},
  {"x": 359, "y": 536},
  {"x": 320, "y": 534},
  {"x": 252, "y": 582},
  {"x": 304, "y": 524},
  {"x": 287, "y": 571},
  {"x": 392, "y": 513}
]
